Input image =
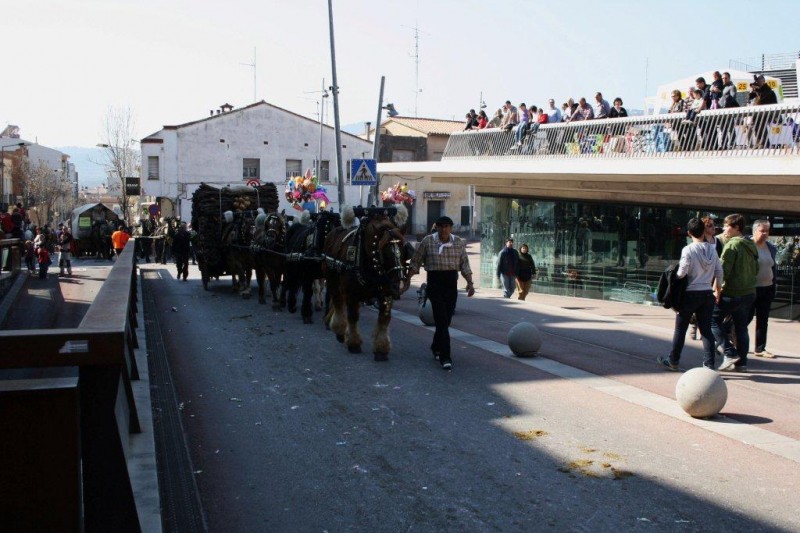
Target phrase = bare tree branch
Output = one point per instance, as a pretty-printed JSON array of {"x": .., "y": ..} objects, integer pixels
[{"x": 119, "y": 130}]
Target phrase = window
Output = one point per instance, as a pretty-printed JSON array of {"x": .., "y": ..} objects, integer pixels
[
  {"x": 251, "y": 168},
  {"x": 466, "y": 219},
  {"x": 152, "y": 167},
  {"x": 294, "y": 167},
  {"x": 402, "y": 155},
  {"x": 325, "y": 171}
]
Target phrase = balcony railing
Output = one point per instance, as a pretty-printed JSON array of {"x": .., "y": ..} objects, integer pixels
[{"x": 770, "y": 130}]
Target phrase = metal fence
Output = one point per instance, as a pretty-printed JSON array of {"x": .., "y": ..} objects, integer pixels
[
  {"x": 89, "y": 488},
  {"x": 770, "y": 130}
]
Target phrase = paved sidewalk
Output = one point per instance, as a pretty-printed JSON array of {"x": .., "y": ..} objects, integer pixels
[{"x": 621, "y": 341}]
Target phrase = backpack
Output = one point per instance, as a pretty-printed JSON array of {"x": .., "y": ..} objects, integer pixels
[{"x": 671, "y": 288}]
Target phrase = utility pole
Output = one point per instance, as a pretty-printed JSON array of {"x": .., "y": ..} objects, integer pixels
[
  {"x": 337, "y": 126},
  {"x": 375, "y": 190}
]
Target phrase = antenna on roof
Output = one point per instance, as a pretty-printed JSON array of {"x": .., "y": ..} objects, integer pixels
[
  {"x": 253, "y": 64},
  {"x": 415, "y": 55}
]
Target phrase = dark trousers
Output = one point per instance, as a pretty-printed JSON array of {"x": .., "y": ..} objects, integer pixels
[
  {"x": 700, "y": 303},
  {"x": 760, "y": 310},
  {"x": 738, "y": 308},
  {"x": 182, "y": 262},
  {"x": 442, "y": 292}
]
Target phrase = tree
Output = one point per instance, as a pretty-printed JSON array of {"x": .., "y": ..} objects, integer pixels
[
  {"x": 123, "y": 160},
  {"x": 39, "y": 185}
]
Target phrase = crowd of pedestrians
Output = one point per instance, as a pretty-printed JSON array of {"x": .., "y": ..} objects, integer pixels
[{"x": 731, "y": 279}]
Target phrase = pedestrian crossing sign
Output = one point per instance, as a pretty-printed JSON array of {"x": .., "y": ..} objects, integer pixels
[{"x": 363, "y": 172}]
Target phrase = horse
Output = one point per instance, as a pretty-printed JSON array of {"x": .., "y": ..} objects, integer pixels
[
  {"x": 237, "y": 236},
  {"x": 364, "y": 263},
  {"x": 304, "y": 242},
  {"x": 268, "y": 249}
]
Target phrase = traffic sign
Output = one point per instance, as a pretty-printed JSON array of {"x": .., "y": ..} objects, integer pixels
[
  {"x": 253, "y": 182},
  {"x": 363, "y": 172}
]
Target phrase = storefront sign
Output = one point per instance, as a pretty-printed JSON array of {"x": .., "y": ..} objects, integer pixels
[
  {"x": 436, "y": 195},
  {"x": 132, "y": 186}
]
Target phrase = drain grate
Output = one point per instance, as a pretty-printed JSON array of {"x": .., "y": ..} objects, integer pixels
[{"x": 181, "y": 509}]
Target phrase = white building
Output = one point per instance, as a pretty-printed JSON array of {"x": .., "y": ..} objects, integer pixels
[
  {"x": 237, "y": 146},
  {"x": 56, "y": 161}
]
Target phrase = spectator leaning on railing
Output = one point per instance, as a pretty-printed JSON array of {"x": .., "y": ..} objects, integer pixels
[
  {"x": 602, "y": 108},
  {"x": 617, "y": 111},
  {"x": 583, "y": 112},
  {"x": 553, "y": 114}
]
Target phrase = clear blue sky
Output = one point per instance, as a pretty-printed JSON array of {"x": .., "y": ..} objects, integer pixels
[{"x": 65, "y": 62}]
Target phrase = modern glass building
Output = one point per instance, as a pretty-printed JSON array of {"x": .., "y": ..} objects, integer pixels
[{"x": 603, "y": 204}]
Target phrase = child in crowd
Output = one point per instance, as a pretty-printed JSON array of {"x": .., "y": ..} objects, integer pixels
[{"x": 44, "y": 261}]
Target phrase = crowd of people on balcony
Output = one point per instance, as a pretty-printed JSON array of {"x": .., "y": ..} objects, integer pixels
[{"x": 524, "y": 121}]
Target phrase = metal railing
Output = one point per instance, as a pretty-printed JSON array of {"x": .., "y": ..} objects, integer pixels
[
  {"x": 95, "y": 491},
  {"x": 770, "y": 130}
]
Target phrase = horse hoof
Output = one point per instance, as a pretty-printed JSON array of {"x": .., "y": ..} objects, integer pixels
[
  {"x": 292, "y": 309},
  {"x": 340, "y": 338},
  {"x": 381, "y": 356},
  {"x": 354, "y": 348},
  {"x": 277, "y": 308},
  {"x": 308, "y": 320}
]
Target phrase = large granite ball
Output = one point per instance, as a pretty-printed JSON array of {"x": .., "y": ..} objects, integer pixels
[
  {"x": 426, "y": 314},
  {"x": 524, "y": 339},
  {"x": 701, "y": 392}
]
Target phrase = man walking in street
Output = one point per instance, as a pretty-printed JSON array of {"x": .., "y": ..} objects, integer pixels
[
  {"x": 702, "y": 268},
  {"x": 180, "y": 250},
  {"x": 507, "y": 268},
  {"x": 740, "y": 266},
  {"x": 443, "y": 255}
]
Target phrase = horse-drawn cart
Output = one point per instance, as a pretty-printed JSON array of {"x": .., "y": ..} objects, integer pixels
[{"x": 209, "y": 205}]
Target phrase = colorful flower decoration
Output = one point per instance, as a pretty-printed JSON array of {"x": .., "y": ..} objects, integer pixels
[
  {"x": 301, "y": 189},
  {"x": 399, "y": 194}
]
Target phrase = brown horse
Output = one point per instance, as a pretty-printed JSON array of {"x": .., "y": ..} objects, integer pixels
[
  {"x": 364, "y": 263},
  {"x": 268, "y": 250}
]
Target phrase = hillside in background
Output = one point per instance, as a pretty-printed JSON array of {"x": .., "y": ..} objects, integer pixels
[{"x": 89, "y": 163}]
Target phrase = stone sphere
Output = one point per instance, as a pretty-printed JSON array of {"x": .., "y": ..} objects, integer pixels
[
  {"x": 524, "y": 339},
  {"x": 426, "y": 314},
  {"x": 701, "y": 392}
]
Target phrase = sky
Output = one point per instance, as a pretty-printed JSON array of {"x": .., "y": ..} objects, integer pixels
[{"x": 171, "y": 61}]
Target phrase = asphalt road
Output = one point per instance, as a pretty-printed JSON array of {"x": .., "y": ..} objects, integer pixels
[{"x": 290, "y": 432}]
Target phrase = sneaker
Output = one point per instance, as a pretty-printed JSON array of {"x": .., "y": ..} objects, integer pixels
[
  {"x": 765, "y": 354},
  {"x": 665, "y": 362},
  {"x": 741, "y": 369},
  {"x": 447, "y": 364},
  {"x": 710, "y": 367},
  {"x": 727, "y": 363},
  {"x": 436, "y": 355}
]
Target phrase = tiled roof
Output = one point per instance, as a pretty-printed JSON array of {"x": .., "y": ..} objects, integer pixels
[{"x": 429, "y": 126}]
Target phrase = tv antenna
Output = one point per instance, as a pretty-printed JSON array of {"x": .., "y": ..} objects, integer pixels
[
  {"x": 253, "y": 64},
  {"x": 415, "y": 55}
]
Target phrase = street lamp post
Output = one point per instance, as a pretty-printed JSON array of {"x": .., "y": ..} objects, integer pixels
[{"x": 16, "y": 146}]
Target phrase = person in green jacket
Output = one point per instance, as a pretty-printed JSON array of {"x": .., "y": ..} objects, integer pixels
[{"x": 740, "y": 267}]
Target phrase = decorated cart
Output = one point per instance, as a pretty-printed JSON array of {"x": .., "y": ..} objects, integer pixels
[{"x": 209, "y": 224}]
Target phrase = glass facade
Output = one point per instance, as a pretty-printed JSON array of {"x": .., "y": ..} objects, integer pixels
[{"x": 614, "y": 252}]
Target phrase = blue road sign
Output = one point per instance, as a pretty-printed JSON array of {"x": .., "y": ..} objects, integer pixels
[{"x": 363, "y": 172}]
